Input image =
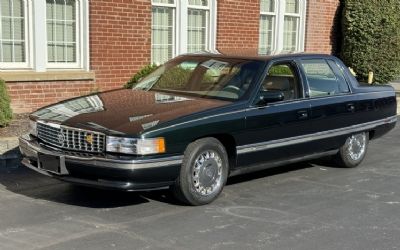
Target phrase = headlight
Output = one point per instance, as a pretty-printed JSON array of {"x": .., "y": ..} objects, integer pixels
[
  {"x": 33, "y": 128},
  {"x": 135, "y": 145}
]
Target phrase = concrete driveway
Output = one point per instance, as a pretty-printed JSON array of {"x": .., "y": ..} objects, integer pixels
[{"x": 302, "y": 206}]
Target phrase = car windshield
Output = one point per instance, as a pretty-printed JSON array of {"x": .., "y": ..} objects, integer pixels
[{"x": 226, "y": 79}]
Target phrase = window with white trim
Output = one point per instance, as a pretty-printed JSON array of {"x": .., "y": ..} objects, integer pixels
[
  {"x": 44, "y": 34},
  {"x": 61, "y": 18},
  {"x": 267, "y": 26},
  {"x": 282, "y": 26},
  {"x": 182, "y": 26},
  {"x": 13, "y": 33},
  {"x": 198, "y": 22},
  {"x": 163, "y": 30}
]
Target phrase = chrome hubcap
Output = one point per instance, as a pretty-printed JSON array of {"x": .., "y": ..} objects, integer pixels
[
  {"x": 207, "y": 173},
  {"x": 356, "y": 146}
]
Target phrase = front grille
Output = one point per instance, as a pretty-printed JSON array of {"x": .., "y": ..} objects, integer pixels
[{"x": 71, "y": 138}]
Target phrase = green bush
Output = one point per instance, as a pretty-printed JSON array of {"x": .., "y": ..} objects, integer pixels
[
  {"x": 371, "y": 38},
  {"x": 5, "y": 109},
  {"x": 280, "y": 70},
  {"x": 145, "y": 71},
  {"x": 174, "y": 78}
]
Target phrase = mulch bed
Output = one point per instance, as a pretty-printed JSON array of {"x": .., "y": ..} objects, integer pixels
[{"x": 18, "y": 126}]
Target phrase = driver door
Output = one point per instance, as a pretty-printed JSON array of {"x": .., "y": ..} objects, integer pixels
[{"x": 272, "y": 129}]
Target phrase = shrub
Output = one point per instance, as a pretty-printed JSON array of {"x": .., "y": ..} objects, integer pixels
[
  {"x": 145, "y": 71},
  {"x": 174, "y": 78},
  {"x": 371, "y": 38},
  {"x": 5, "y": 109}
]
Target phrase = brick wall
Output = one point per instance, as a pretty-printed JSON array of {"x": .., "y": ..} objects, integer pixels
[
  {"x": 321, "y": 26},
  {"x": 120, "y": 39},
  {"x": 28, "y": 96},
  {"x": 237, "y": 26}
]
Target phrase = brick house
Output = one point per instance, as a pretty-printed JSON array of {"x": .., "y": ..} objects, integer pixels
[{"x": 51, "y": 50}]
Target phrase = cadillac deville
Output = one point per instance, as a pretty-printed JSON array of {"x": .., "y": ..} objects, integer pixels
[{"x": 199, "y": 119}]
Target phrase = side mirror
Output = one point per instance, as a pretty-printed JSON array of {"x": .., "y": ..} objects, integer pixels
[{"x": 266, "y": 97}]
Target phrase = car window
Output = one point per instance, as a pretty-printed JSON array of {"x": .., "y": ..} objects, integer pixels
[
  {"x": 343, "y": 85},
  {"x": 220, "y": 78},
  {"x": 321, "y": 78},
  {"x": 282, "y": 77}
]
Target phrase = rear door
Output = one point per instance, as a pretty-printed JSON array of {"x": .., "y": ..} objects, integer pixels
[{"x": 333, "y": 104}]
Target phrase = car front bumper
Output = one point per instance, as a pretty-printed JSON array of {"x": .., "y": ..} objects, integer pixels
[{"x": 129, "y": 175}]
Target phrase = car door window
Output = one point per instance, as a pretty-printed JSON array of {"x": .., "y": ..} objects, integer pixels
[
  {"x": 283, "y": 77},
  {"x": 321, "y": 79}
]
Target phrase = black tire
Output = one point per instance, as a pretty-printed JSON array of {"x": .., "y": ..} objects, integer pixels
[
  {"x": 185, "y": 188},
  {"x": 346, "y": 157}
]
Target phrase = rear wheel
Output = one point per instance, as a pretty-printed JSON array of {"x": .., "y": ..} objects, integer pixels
[
  {"x": 352, "y": 153},
  {"x": 203, "y": 173}
]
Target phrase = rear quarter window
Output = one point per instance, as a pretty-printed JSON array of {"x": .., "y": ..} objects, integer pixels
[{"x": 321, "y": 78}]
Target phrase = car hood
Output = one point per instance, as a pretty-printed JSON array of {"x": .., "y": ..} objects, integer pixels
[{"x": 124, "y": 111}]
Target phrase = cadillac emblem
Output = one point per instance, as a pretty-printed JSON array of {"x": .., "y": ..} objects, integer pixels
[
  {"x": 89, "y": 139},
  {"x": 61, "y": 138}
]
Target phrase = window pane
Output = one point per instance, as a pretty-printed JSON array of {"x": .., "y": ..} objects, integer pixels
[
  {"x": 59, "y": 9},
  {"x": 321, "y": 79},
  {"x": 283, "y": 78},
  {"x": 61, "y": 31},
  {"x": 162, "y": 34},
  {"x": 290, "y": 33},
  {"x": 71, "y": 53},
  {"x": 292, "y": 6},
  {"x": 267, "y": 6},
  {"x": 197, "y": 30},
  {"x": 69, "y": 10},
  {"x": 198, "y": 2},
  {"x": 267, "y": 26},
  {"x": 50, "y": 52},
  {"x": 18, "y": 10},
  {"x": 18, "y": 29},
  {"x": 6, "y": 8},
  {"x": 60, "y": 53},
  {"x": 19, "y": 52},
  {"x": 7, "y": 52},
  {"x": 6, "y": 28},
  {"x": 12, "y": 37},
  {"x": 50, "y": 9},
  {"x": 70, "y": 32}
]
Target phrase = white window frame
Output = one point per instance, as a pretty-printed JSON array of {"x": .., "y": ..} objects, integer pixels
[
  {"x": 36, "y": 40},
  {"x": 79, "y": 41},
  {"x": 280, "y": 13},
  {"x": 274, "y": 31},
  {"x": 173, "y": 6},
  {"x": 28, "y": 41},
  {"x": 181, "y": 22},
  {"x": 208, "y": 21}
]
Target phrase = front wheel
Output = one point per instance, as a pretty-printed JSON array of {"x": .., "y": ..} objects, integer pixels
[
  {"x": 352, "y": 153},
  {"x": 204, "y": 172}
]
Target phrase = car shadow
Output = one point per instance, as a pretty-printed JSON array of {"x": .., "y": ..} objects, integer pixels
[
  {"x": 269, "y": 172},
  {"x": 23, "y": 181}
]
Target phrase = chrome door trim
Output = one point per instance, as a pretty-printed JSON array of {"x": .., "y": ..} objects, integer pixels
[{"x": 250, "y": 148}]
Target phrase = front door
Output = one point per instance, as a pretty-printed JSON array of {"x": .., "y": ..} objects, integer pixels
[{"x": 274, "y": 131}]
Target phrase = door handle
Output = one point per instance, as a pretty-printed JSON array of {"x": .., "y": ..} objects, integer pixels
[
  {"x": 350, "y": 107},
  {"x": 302, "y": 114}
]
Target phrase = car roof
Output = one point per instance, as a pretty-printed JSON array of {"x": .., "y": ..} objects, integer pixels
[{"x": 264, "y": 58}]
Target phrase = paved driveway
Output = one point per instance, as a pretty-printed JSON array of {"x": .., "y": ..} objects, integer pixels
[{"x": 302, "y": 206}]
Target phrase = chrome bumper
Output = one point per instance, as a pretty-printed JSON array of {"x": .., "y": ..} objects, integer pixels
[{"x": 30, "y": 149}]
